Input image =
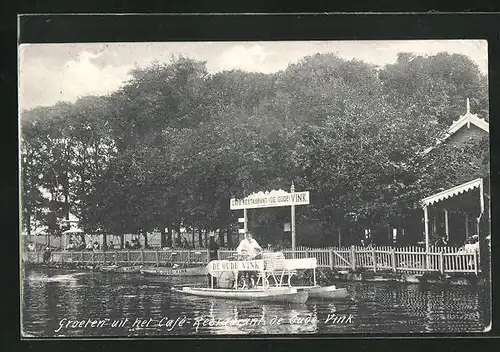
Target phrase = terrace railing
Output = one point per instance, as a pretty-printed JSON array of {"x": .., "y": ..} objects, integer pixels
[{"x": 402, "y": 260}]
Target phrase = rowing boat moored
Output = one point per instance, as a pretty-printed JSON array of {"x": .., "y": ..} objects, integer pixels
[
  {"x": 193, "y": 271},
  {"x": 119, "y": 269},
  {"x": 278, "y": 294},
  {"x": 327, "y": 292}
]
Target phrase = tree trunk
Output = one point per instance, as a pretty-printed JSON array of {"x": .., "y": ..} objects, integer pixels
[
  {"x": 221, "y": 237},
  {"x": 145, "y": 234},
  {"x": 229, "y": 238},
  {"x": 28, "y": 222},
  {"x": 178, "y": 241},
  {"x": 200, "y": 237},
  {"x": 169, "y": 237},
  {"x": 163, "y": 237},
  {"x": 122, "y": 240}
]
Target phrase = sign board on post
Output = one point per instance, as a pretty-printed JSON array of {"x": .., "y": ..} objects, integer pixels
[{"x": 274, "y": 198}]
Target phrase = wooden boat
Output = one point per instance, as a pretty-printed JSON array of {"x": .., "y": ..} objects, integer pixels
[
  {"x": 278, "y": 295},
  {"x": 326, "y": 292},
  {"x": 163, "y": 271},
  {"x": 119, "y": 269}
]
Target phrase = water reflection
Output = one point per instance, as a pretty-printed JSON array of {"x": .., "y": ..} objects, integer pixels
[{"x": 50, "y": 297}]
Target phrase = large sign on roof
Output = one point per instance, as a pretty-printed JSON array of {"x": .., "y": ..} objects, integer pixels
[{"x": 274, "y": 198}]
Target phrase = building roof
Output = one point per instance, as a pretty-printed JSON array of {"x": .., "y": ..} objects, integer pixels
[
  {"x": 465, "y": 120},
  {"x": 451, "y": 192},
  {"x": 468, "y": 119}
]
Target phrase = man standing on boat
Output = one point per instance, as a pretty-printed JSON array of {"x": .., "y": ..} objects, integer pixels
[{"x": 249, "y": 249}]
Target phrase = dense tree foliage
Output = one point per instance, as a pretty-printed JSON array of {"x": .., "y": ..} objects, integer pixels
[{"x": 175, "y": 143}]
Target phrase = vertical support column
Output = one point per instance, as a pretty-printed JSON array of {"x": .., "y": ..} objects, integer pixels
[
  {"x": 393, "y": 259},
  {"x": 331, "y": 258},
  {"x": 466, "y": 225},
  {"x": 426, "y": 229},
  {"x": 292, "y": 190},
  {"x": 245, "y": 224},
  {"x": 340, "y": 237},
  {"x": 481, "y": 203},
  {"x": 374, "y": 260},
  {"x": 441, "y": 262},
  {"x": 353, "y": 258},
  {"x": 446, "y": 228}
]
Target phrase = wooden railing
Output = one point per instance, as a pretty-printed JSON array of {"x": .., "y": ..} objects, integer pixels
[
  {"x": 403, "y": 260},
  {"x": 156, "y": 257}
]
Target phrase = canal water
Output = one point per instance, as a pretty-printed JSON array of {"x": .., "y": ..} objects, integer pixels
[{"x": 92, "y": 304}]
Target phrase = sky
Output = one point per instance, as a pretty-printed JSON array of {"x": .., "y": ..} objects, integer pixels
[{"x": 49, "y": 73}]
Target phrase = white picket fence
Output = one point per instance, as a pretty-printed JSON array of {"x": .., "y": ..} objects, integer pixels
[{"x": 404, "y": 260}]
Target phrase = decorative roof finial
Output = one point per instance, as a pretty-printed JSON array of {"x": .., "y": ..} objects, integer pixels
[{"x": 468, "y": 106}]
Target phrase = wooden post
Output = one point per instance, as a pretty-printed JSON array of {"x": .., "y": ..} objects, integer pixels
[
  {"x": 374, "y": 260},
  {"x": 446, "y": 228},
  {"x": 292, "y": 190},
  {"x": 353, "y": 258},
  {"x": 189, "y": 256},
  {"x": 393, "y": 259},
  {"x": 331, "y": 258},
  {"x": 142, "y": 256},
  {"x": 466, "y": 225},
  {"x": 218, "y": 254},
  {"x": 93, "y": 259},
  {"x": 128, "y": 256},
  {"x": 208, "y": 255},
  {"x": 475, "y": 262},
  {"x": 426, "y": 226},
  {"x": 307, "y": 252},
  {"x": 441, "y": 262},
  {"x": 157, "y": 258}
]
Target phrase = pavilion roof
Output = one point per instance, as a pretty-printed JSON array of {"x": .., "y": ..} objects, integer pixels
[{"x": 451, "y": 192}]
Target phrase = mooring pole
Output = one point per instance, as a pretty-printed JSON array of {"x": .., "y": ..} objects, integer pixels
[{"x": 292, "y": 190}]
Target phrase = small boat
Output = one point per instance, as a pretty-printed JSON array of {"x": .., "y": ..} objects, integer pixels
[
  {"x": 274, "y": 294},
  {"x": 162, "y": 271},
  {"x": 119, "y": 269},
  {"x": 326, "y": 292}
]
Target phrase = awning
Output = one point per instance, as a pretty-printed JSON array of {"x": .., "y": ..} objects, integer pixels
[{"x": 477, "y": 183}]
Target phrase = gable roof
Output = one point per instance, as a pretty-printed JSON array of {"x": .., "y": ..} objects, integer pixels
[
  {"x": 465, "y": 120},
  {"x": 468, "y": 119}
]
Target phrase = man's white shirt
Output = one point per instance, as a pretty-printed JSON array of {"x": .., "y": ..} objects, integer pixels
[{"x": 248, "y": 247}]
